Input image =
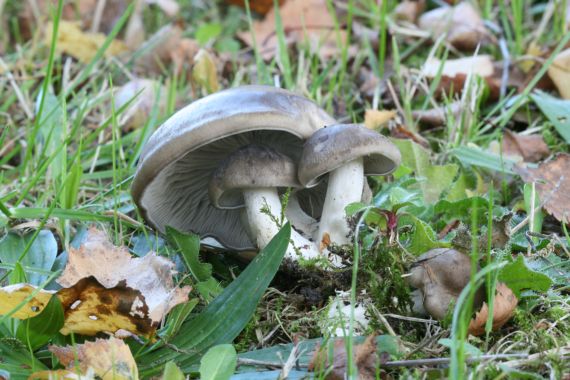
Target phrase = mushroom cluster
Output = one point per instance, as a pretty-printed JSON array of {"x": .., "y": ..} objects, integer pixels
[{"x": 218, "y": 167}]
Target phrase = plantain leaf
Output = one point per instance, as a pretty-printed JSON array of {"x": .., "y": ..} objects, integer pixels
[
  {"x": 219, "y": 363},
  {"x": 225, "y": 317}
]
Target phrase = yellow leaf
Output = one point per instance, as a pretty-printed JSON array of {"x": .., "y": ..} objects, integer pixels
[
  {"x": 204, "y": 71},
  {"x": 83, "y": 46},
  {"x": 109, "y": 359},
  {"x": 374, "y": 119},
  {"x": 559, "y": 72},
  {"x": 11, "y": 296}
]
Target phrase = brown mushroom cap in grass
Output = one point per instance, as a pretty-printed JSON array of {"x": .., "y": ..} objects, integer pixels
[{"x": 170, "y": 185}]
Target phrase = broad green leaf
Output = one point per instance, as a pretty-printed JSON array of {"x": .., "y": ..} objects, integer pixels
[
  {"x": 433, "y": 179},
  {"x": 556, "y": 110},
  {"x": 462, "y": 209},
  {"x": 219, "y": 363},
  {"x": 226, "y": 316},
  {"x": 40, "y": 329},
  {"x": 207, "y": 32},
  {"x": 17, "y": 360},
  {"x": 385, "y": 343},
  {"x": 529, "y": 205},
  {"x": 52, "y": 131},
  {"x": 423, "y": 237},
  {"x": 172, "y": 372},
  {"x": 176, "y": 318},
  {"x": 517, "y": 276},
  {"x": 553, "y": 266},
  {"x": 475, "y": 156},
  {"x": 189, "y": 246},
  {"x": 469, "y": 348},
  {"x": 41, "y": 255}
]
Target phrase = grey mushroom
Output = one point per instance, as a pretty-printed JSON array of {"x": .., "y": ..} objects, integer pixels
[
  {"x": 178, "y": 162},
  {"x": 346, "y": 152}
]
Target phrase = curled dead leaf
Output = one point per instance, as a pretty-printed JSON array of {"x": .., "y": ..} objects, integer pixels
[
  {"x": 258, "y": 6},
  {"x": 503, "y": 308},
  {"x": 302, "y": 20},
  {"x": 109, "y": 359},
  {"x": 204, "y": 72},
  {"x": 366, "y": 360},
  {"x": 374, "y": 119},
  {"x": 559, "y": 72},
  {"x": 113, "y": 266},
  {"x": 527, "y": 148},
  {"x": 409, "y": 10},
  {"x": 552, "y": 180},
  {"x": 90, "y": 308},
  {"x": 462, "y": 24}
]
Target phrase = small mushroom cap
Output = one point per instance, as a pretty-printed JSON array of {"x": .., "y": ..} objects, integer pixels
[
  {"x": 334, "y": 146},
  {"x": 253, "y": 166},
  {"x": 170, "y": 186}
]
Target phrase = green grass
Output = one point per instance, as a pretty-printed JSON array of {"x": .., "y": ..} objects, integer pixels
[{"x": 72, "y": 163}]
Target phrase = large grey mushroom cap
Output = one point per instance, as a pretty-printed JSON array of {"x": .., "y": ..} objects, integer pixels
[
  {"x": 251, "y": 167},
  {"x": 334, "y": 146},
  {"x": 170, "y": 185}
]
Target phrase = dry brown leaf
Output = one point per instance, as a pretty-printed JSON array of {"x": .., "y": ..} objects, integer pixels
[
  {"x": 409, "y": 10},
  {"x": 325, "y": 242},
  {"x": 374, "y": 119},
  {"x": 436, "y": 117},
  {"x": 503, "y": 309},
  {"x": 302, "y": 20},
  {"x": 83, "y": 46},
  {"x": 113, "y": 266},
  {"x": 90, "y": 308},
  {"x": 441, "y": 274},
  {"x": 166, "y": 47},
  {"x": 258, "y": 6},
  {"x": 365, "y": 359},
  {"x": 12, "y": 295},
  {"x": 552, "y": 183},
  {"x": 531, "y": 148},
  {"x": 110, "y": 359},
  {"x": 462, "y": 23},
  {"x": 559, "y": 72},
  {"x": 148, "y": 93},
  {"x": 204, "y": 72}
]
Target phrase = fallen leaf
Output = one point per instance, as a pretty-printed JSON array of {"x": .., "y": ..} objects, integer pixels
[
  {"x": 12, "y": 295},
  {"x": 409, "y": 10},
  {"x": 559, "y": 72},
  {"x": 147, "y": 94},
  {"x": 436, "y": 117},
  {"x": 462, "y": 24},
  {"x": 374, "y": 119},
  {"x": 302, "y": 20},
  {"x": 503, "y": 308},
  {"x": 113, "y": 266},
  {"x": 166, "y": 47},
  {"x": 440, "y": 275},
  {"x": 109, "y": 359},
  {"x": 325, "y": 242},
  {"x": 90, "y": 308},
  {"x": 552, "y": 180},
  {"x": 366, "y": 360},
  {"x": 258, "y": 6},
  {"x": 204, "y": 72},
  {"x": 60, "y": 374},
  {"x": 83, "y": 46},
  {"x": 531, "y": 148}
]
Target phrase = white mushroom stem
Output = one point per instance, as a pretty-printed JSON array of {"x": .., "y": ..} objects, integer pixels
[
  {"x": 264, "y": 227},
  {"x": 304, "y": 223},
  {"x": 344, "y": 187}
]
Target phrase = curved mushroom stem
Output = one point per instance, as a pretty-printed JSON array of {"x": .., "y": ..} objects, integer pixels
[
  {"x": 303, "y": 222},
  {"x": 265, "y": 225},
  {"x": 344, "y": 187}
]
